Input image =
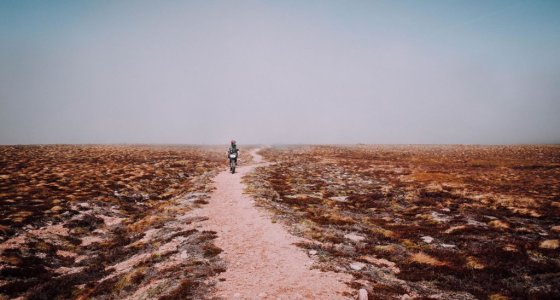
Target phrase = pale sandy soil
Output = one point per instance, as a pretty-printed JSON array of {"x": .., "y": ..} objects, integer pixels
[{"x": 262, "y": 260}]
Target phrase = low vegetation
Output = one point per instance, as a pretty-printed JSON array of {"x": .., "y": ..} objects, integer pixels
[
  {"x": 441, "y": 222},
  {"x": 105, "y": 222}
]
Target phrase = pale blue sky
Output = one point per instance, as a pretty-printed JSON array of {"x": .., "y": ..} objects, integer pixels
[{"x": 279, "y": 71}]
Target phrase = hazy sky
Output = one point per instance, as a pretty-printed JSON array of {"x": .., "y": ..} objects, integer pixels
[{"x": 280, "y": 71}]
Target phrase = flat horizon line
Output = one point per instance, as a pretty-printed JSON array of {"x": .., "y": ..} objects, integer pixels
[{"x": 281, "y": 144}]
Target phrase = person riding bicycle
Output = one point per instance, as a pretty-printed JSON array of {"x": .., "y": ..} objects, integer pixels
[{"x": 233, "y": 150}]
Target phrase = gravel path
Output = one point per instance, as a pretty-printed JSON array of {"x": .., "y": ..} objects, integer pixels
[{"x": 262, "y": 262}]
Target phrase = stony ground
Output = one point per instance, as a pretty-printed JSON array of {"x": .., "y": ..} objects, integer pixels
[
  {"x": 440, "y": 222},
  {"x": 105, "y": 222}
]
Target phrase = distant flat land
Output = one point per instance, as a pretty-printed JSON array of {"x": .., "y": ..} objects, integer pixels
[
  {"x": 445, "y": 222},
  {"x": 453, "y": 222},
  {"x": 105, "y": 221}
]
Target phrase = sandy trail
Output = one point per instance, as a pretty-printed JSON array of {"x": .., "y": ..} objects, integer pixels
[{"x": 262, "y": 262}]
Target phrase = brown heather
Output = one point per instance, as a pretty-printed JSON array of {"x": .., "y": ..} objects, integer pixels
[
  {"x": 105, "y": 222},
  {"x": 445, "y": 222}
]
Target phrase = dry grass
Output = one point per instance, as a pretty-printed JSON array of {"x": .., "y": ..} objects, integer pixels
[
  {"x": 550, "y": 244},
  {"x": 456, "y": 221},
  {"x": 104, "y": 221},
  {"x": 423, "y": 258}
]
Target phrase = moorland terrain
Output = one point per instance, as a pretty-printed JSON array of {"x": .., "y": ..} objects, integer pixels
[
  {"x": 452, "y": 222},
  {"x": 105, "y": 221},
  {"x": 403, "y": 222}
]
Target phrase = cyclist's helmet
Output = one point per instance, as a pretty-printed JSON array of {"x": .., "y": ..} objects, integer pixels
[{"x": 233, "y": 142}]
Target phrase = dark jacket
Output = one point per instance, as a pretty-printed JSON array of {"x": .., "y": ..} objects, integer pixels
[{"x": 233, "y": 149}]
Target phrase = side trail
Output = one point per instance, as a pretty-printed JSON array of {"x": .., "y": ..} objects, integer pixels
[{"x": 262, "y": 260}]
